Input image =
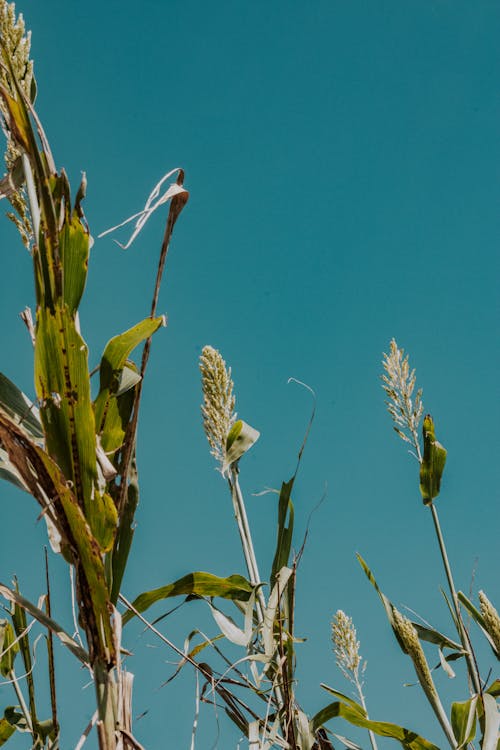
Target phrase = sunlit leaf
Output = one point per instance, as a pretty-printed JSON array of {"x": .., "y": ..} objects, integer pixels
[
  {"x": 463, "y": 721},
  {"x": 409, "y": 740},
  {"x": 199, "y": 583}
]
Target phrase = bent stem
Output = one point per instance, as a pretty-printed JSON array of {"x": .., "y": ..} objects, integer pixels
[{"x": 464, "y": 637}]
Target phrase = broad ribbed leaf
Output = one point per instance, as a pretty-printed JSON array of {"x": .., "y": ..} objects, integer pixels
[
  {"x": 408, "y": 739},
  {"x": 112, "y": 414},
  {"x": 463, "y": 721},
  {"x": 199, "y": 583},
  {"x": 74, "y": 251},
  {"x": 63, "y": 387}
]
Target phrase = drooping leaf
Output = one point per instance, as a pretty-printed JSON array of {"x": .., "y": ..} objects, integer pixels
[
  {"x": 408, "y": 739},
  {"x": 344, "y": 698},
  {"x": 199, "y": 583},
  {"x": 463, "y": 721},
  {"x": 44, "y": 480},
  {"x": 432, "y": 466},
  {"x": 431, "y": 635}
]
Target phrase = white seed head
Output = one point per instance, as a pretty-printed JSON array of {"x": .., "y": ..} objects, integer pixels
[
  {"x": 345, "y": 644},
  {"x": 218, "y": 401},
  {"x": 399, "y": 384}
]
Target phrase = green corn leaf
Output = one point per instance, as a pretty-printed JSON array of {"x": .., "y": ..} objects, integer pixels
[
  {"x": 200, "y": 584},
  {"x": 19, "y": 408},
  {"x": 240, "y": 439},
  {"x": 463, "y": 721},
  {"x": 8, "y": 649},
  {"x": 344, "y": 698},
  {"x": 285, "y": 529},
  {"x": 74, "y": 252},
  {"x": 63, "y": 387},
  {"x": 408, "y": 739},
  {"x": 114, "y": 402},
  {"x": 432, "y": 466}
]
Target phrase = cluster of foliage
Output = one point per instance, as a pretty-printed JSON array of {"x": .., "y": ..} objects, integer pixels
[{"x": 76, "y": 456}]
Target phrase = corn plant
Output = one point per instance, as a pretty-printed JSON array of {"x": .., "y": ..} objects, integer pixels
[{"x": 74, "y": 455}]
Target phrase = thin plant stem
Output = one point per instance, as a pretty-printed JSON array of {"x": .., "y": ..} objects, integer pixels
[
  {"x": 50, "y": 652},
  {"x": 469, "y": 654},
  {"x": 246, "y": 540},
  {"x": 22, "y": 702},
  {"x": 251, "y": 560},
  {"x": 359, "y": 688}
]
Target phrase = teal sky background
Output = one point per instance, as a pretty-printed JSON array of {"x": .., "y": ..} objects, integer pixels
[{"x": 343, "y": 160}]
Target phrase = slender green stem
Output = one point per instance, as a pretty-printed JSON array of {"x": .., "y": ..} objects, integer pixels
[
  {"x": 359, "y": 688},
  {"x": 464, "y": 637},
  {"x": 246, "y": 540},
  {"x": 22, "y": 702}
]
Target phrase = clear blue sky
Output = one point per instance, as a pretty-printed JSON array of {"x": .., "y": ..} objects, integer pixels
[{"x": 343, "y": 161}]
